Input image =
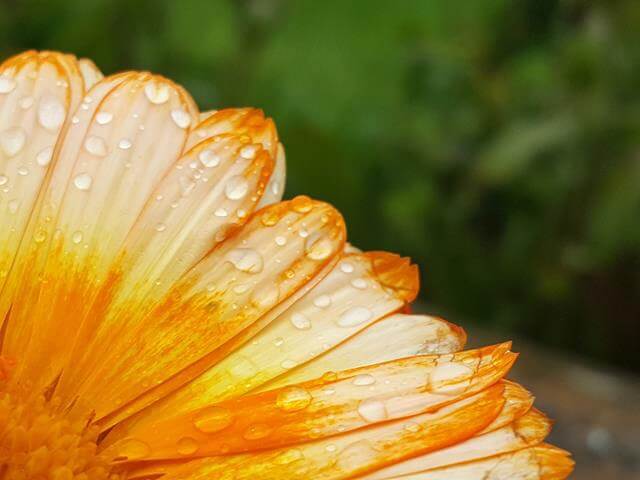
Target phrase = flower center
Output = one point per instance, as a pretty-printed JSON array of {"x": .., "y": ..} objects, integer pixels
[{"x": 36, "y": 442}]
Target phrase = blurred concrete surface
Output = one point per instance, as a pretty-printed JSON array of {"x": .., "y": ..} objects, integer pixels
[{"x": 596, "y": 410}]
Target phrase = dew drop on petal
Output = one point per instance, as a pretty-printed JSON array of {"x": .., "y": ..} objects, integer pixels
[
  {"x": 450, "y": 377},
  {"x": 322, "y": 301},
  {"x": 161, "y": 227},
  {"x": 221, "y": 212},
  {"x": 346, "y": 267},
  {"x": 359, "y": 283},
  {"x": 43, "y": 158},
  {"x": 96, "y": 146},
  {"x": 124, "y": 144},
  {"x": 181, "y": 118},
  {"x": 26, "y": 103},
  {"x": 319, "y": 247},
  {"x": 3, "y": 180},
  {"x": 83, "y": 181},
  {"x": 51, "y": 112},
  {"x": 157, "y": 92},
  {"x": 246, "y": 260},
  {"x": 292, "y": 399},
  {"x": 288, "y": 364},
  {"x": 208, "y": 158},
  {"x": 354, "y": 316},
  {"x": 363, "y": 380},
  {"x": 76, "y": 237},
  {"x": 236, "y": 187},
  {"x": 13, "y": 205},
  {"x": 23, "y": 171},
  {"x": 249, "y": 151},
  {"x": 288, "y": 456},
  {"x": 372, "y": 410},
  {"x": 104, "y": 118},
  {"x": 213, "y": 419},
  {"x": 300, "y": 321},
  {"x": 357, "y": 453},
  {"x": 280, "y": 240},
  {"x": 187, "y": 446},
  {"x": 12, "y": 140}
]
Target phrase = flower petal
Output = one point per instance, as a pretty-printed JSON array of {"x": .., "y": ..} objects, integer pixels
[
  {"x": 241, "y": 280},
  {"x": 351, "y": 454},
  {"x": 37, "y": 90},
  {"x": 94, "y": 196},
  {"x": 542, "y": 462},
  {"x": 291, "y": 339},
  {"x": 328, "y": 406}
]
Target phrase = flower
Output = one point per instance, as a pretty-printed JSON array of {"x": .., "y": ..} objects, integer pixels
[{"x": 165, "y": 314}]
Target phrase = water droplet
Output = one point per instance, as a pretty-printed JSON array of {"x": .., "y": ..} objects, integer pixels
[
  {"x": 359, "y": 283},
  {"x": 257, "y": 431},
  {"x": 270, "y": 218},
  {"x": 278, "y": 341},
  {"x": 221, "y": 212},
  {"x": 75, "y": 120},
  {"x": 208, "y": 158},
  {"x": 161, "y": 227},
  {"x": 300, "y": 321},
  {"x": 246, "y": 260},
  {"x": 346, "y": 267},
  {"x": 412, "y": 427},
  {"x": 187, "y": 446},
  {"x": 331, "y": 447},
  {"x": 372, "y": 410},
  {"x": 292, "y": 399},
  {"x": 76, "y": 237},
  {"x": 281, "y": 241},
  {"x": 363, "y": 380},
  {"x": 302, "y": 204},
  {"x": 43, "y": 158},
  {"x": 51, "y": 112},
  {"x": 354, "y": 316},
  {"x": 157, "y": 92},
  {"x": 3, "y": 180},
  {"x": 319, "y": 247},
  {"x": 23, "y": 171},
  {"x": 12, "y": 140},
  {"x": 7, "y": 84},
  {"x": 133, "y": 449},
  {"x": 249, "y": 151},
  {"x": 96, "y": 146},
  {"x": 40, "y": 236},
  {"x": 323, "y": 301},
  {"x": 83, "y": 181},
  {"x": 236, "y": 187},
  {"x": 181, "y": 118},
  {"x": 103, "y": 118},
  {"x": 213, "y": 419},
  {"x": 125, "y": 144}
]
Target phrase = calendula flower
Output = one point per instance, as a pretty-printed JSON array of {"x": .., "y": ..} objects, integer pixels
[{"x": 166, "y": 315}]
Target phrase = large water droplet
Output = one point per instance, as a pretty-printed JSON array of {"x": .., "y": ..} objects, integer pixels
[
  {"x": 300, "y": 321},
  {"x": 43, "y": 158},
  {"x": 187, "y": 446},
  {"x": 322, "y": 301},
  {"x": 12, "y": 140},
  {"x": 209, "y": 158},
  {"x": 319, "y": 247},
  {"x": 236, "y": 187},
  {"x": 104, "y": 118},
  {"x": 7, "y": 84},
  {"x": 76, "y": 237},
  {"x": 96, "y": 146},
  {"x": 246, "y": 260},
  {"x": 292, "y": 399},
  {"x": 372, "y": 410},
  {"x": 354, "y": 316},
  {"x": 181, "y": 118},
  {"x": 157, "y": 92},
  {"x": 213, "y": 419},
  {"x": 363, "y": 380},
  {"x": 83, "y": 181},
  {"x": 51, "y": 112}
]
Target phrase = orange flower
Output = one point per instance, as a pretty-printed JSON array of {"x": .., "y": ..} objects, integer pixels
[{"x": 166, "y": 315}]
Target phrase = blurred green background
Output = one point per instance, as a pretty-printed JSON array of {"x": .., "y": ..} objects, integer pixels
[{"x": 496, "y": 142}]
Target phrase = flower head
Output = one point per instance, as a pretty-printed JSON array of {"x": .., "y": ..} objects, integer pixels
[{"x": 166, "y": 314}]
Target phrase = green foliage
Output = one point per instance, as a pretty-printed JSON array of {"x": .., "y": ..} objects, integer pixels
[{"x": 496, "y": 142}]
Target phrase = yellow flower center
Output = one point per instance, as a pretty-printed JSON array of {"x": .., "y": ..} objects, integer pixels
[{"x": 38, "y": 443}]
